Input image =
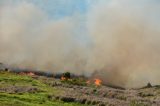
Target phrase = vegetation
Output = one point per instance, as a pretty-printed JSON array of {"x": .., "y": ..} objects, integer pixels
[
  {"x": 66, "y": 78},
  {"x": 75, "y": 81},
  {"x": 13, "y": 89},
  {"x": 137, "y": 103},
  {"x": 67, "y": 75}
]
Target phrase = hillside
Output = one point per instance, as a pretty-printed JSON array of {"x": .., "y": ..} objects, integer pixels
[{"x": 25, "y": 90}]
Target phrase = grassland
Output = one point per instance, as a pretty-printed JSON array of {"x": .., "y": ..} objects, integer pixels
[
  {"x": 25, "y": 90},
  {"x": 21, "y": 90}
]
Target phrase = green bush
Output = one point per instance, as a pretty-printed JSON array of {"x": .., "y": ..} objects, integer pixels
[
  {"x": 67, "y": 75},
  {"x": 75, "y": 81}
]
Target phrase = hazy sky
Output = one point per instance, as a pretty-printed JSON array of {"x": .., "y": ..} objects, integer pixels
[
  {"x": 56, "y": 8},
  {"x": 60, "y": 9}
]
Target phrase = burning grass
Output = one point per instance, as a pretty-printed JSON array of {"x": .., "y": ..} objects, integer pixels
[
  {"x": 66, "y": 78},
  {"x": 82, "y": 82},
  {"x": 98, "y": 82}
]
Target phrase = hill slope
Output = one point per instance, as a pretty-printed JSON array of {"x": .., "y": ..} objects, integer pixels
[
  {"x": 24, "y": 90},
  {"x": 21, "y": 90}
]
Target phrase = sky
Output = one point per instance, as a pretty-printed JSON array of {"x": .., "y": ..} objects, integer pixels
[{"x": 56, "y": 8}]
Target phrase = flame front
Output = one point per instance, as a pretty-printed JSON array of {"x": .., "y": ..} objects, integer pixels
[{"x": 98, "y": 82}]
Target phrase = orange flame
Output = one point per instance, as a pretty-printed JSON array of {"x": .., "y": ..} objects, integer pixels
[{"x": 98, "y": 82}]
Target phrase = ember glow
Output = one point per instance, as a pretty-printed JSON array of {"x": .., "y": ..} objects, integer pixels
[
  {"x": 63, "y": 78},
  {"x": 98, "y": 82}
]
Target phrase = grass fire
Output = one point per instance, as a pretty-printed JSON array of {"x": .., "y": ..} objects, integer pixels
[
  {"x": 17, "y": 88},
  {"x": 98, "y": 82},
  {"x": 79, "y": 52},
  {"x": 66, "y": 77}
]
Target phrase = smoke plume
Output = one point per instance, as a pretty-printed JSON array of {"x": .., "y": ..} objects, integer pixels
[
  {"x": 126, "y": 41},
  {"x": 29, "y": 39},
  {"x": 121, "y": 45}
]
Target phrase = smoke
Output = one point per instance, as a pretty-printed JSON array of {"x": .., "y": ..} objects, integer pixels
[
  {"x": 126, "y": 42},
  {"x": 29, "y": 39},
  {"x": 121, "y": 44}
]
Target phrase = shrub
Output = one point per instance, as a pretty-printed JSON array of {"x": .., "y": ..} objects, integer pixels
[{"x": 67, "y": 75}]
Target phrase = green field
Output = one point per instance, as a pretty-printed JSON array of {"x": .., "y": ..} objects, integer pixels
[{"x": 39, "y": 97}]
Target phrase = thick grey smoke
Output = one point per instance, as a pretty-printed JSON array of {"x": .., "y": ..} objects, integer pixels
[
  {"x": 122, "y": 48},
  {"x": 126, "y": 35}
]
